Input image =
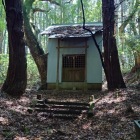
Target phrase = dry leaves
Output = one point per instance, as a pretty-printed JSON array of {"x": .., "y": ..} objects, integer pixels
[{"x": 111, "y": 117}]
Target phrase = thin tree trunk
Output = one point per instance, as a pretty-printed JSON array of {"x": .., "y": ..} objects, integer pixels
[
  {"x": 36, "y": 51},
  {"x": 138, "y": 55},
  {"x": 1, "y": 40},
  {"x": 16, "y": 80},
  {"x": 4, "y": 43}
]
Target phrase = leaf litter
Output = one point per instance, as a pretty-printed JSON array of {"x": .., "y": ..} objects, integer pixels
[{"x": 113, "y": 116}]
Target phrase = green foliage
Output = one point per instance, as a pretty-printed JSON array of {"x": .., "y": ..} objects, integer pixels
[
  {"x": 126, "y": 57},
  {"x": 133, "y": 42},
  {"x": 8, "y": 134},
  {"x": 25, "y": 129},
  {"x": 3, "y": 67},
  {"x": 2, "y": 17},
  {"x": 68, "y": 12},
  {"x": 93, "y": 10},
  {"x": 129, "y": 34},
  {"x": 32, "y": 72},
  {"x": 130, "y": 49},
  {"x": 2, "y": 25}
]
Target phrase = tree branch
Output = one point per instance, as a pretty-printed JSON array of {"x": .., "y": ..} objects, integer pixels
[
  {"x": 52, "y": 2},
  {"x": 117, "y": 5},
  {"x": 69, "y": 1},
  {"x": 124, "y": 24},
  {"x": 3, "y": 3},
  {"x": 93, "y": 37},
  {"x": 39, "y": 10}
]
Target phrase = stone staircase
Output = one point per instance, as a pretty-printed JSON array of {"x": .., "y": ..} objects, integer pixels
[{"x": 62, "y": 110}]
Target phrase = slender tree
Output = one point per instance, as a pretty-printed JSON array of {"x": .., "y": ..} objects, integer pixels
[
  {"x": 16, "y": 79},
  {"x": 33, "y": 44}
]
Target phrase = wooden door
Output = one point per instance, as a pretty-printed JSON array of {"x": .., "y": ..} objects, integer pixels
[{"x": 73, "y": 68}]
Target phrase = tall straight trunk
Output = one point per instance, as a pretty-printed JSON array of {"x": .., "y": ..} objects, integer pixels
[
  {"x": 1, "y": 40},
  {"x": 16, "y": 80},
  {"x": 138, "y": 53},
  {"x": 138, "y": 58},
  {"x": 111, "y": 61},
  {"x": 36, "y": 51}
]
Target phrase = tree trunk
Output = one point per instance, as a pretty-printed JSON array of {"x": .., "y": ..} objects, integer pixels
[
  {"x": 138, "y": 55},
  {"x": 113, "y": 76},
  {"x": 16, "y": 80},
  {"x": 136, "y": 33},
  {"x": 137, "y": 60},
  {"x": 138, "y": 52},
  {"x": 36, "y": 51},
  {"x": 125, "y": 23},
  {"x": 1, "y": 40}
]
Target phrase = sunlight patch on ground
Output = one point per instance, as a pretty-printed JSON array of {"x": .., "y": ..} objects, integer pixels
[
  {"x": 8, "y": 103},
  {"x": 111, "y": 111},
  {"x": 20, "y": 138},
  {"x": 99, "y": 113},
  {"x": 87, "y": 126},
  {"x": 4, "y": 121},
  {"x": 18, "y": 105},
  {"x": 24, "y": 100},
  {"x": 25, "y": 138},
  {"x": 19, "y": 109},
  {"x": 114, "y": 98}
]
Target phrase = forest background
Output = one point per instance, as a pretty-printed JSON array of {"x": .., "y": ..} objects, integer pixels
[{"x": 45, "y": 13}]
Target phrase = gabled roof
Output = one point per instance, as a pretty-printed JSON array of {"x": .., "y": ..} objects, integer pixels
[{"x": 74, "y": 30}]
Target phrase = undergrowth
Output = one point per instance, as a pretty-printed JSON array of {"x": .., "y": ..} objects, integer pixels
[{"x": 32, "y": 72}]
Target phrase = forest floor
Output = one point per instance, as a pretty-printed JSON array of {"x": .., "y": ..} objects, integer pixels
[{"x": 113, "y": 116}]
